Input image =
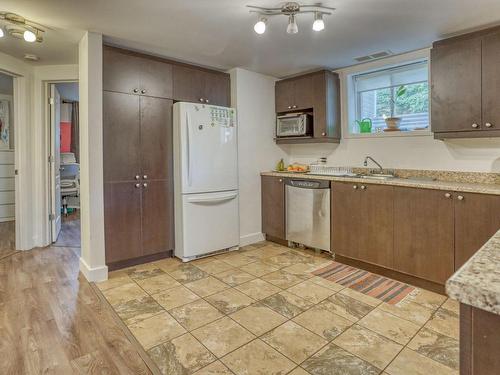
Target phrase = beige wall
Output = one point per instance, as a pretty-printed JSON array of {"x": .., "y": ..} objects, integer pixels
[
  {"x": 92, "y": 260},
  {"x": 252, "y": 95}
]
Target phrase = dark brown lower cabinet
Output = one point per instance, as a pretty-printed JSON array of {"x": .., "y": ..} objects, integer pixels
[
  {"x": 477, "y": 219},
  {"x": 273, "y": 206},
  {"x": 157, "y": 217},
  {"x": 424, "y": 233},
  {"x": 122, "y": 221},
  {"x": 362, "y": 222},
  {"x": 479, "y": 341}
]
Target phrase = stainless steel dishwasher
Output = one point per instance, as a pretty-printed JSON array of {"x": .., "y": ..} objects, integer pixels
[{"x": 308, "y": 213}]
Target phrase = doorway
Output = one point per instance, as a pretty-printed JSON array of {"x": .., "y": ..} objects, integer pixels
[
  {"x": 64, "y": 162},
  {"x": 7, "y": 168}
]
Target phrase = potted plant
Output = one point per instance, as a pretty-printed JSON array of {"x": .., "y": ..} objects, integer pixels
[{"x": 393, "y": 122}]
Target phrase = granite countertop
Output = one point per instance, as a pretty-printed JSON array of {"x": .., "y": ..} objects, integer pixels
[
  {"x": 406, "y": 182},
  {"x": 477, "y": 282}
]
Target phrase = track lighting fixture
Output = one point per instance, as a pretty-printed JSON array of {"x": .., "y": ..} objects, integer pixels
[
  {"x": 291, "y": 9},
  {"x": 20, "y": 28}
]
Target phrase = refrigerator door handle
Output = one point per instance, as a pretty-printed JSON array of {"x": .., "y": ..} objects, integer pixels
[
  {"x": 212, "y": 198},
  {"x": 188, "y": 150}
]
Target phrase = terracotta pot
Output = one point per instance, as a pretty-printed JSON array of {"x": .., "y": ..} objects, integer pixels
[{"x": 393, "y": 122}]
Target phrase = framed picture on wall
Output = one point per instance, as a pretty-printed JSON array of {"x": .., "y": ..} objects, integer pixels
[{"x": 5, "y": 121}]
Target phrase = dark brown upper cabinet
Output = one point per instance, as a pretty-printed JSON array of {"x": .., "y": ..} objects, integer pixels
[
  {"x": 137, "y": 74},
  {"x": 192, "y": 84},
  {"x": 130, "y": 73},
  {"x": 317, "y": 93},
  {"x": 465, "y": 81}
]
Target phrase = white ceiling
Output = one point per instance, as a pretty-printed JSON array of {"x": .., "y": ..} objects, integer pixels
[{"x": 219, "y": 33}]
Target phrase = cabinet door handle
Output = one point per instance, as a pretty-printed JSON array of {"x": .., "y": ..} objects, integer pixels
[
  {"x": 201, "y": 100},
  {"x": 280, "y": 180},
  {"x": 363, "y": 187},
  {"x": 355, "y": 187},
  {"x": 137, "y": 176},
  {"x": 145, "y": 177},
  {"x": 137, "y": 186},
  {"x": 206, "y": 100},
  {"x": 294, "y": 106},
  {"x": 145, "y": 184},
  {"x": 135, "y": 90},
  {"x": 488, "y": 125},
  {"x": 475, "y": 126},
  {"x": 289, "y": 107},
  {"x": 323, "y": 134},
  {"x": 143, "y": 91},
  {"x": 447, "y": 195},
  {"x": 460, "y": 197}
]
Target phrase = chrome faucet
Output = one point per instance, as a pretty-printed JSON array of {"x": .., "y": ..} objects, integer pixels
[{"x": 365, "y": 163}]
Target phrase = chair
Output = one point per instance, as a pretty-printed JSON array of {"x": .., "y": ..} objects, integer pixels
[{"x": 70, "y": 186}]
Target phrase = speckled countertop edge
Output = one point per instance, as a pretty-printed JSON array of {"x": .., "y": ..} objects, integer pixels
[
  {"x": 477, "y": 282},
  {"x": 438, "y": 185}
]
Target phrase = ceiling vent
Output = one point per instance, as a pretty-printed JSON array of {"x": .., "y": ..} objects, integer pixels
[{"x": 374, "y": 56}]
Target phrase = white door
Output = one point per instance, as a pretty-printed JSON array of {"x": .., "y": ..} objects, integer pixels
[
  {"x": 206, "y": 139},
  {"x": 55, "y": 160}
]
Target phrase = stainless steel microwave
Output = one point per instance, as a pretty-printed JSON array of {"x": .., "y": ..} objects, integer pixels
[{"x": 294, "y": 125}]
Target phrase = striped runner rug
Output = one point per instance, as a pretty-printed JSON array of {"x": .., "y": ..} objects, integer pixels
[{"x": 383, "y": 288}]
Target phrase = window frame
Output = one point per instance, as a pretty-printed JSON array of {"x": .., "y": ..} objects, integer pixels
[{"x": 349, "y": 97}]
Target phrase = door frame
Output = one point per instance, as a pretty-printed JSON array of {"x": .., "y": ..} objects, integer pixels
[
  {"x": 18, "y": 90},
  {"x": 48, "y": 153}
]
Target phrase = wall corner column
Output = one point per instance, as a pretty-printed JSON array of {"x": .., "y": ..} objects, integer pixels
[{"x": 92, "y": 260}]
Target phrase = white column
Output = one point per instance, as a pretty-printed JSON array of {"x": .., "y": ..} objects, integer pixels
[{"x": 92, "y": 260}]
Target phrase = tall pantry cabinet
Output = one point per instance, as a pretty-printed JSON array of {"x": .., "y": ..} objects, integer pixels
[
  {"x": 139, "y": 93},
  {"x": 138, "y": 166}
]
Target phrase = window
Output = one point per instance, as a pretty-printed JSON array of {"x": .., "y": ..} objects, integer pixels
[{"x": 400, "y": 92}]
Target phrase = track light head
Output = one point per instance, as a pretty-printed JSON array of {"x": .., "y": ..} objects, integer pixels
[
  {"x": 318, "y": 23},
  {"x": 292, "y": 27},
  {"x": 29, "y": 36},
  {"x": 260, "y": 26}
]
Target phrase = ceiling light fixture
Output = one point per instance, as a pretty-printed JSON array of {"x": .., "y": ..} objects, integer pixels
[
  {"x": 291, "y": 9},
  {"x": 260, "y": 26},
  {"x": 21, "y": 28},
  {"x": 292, "y": 27},
  {"x": 318, "y": 23}
]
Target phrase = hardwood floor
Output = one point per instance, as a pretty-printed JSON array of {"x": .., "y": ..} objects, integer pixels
[
  {"x": 53, "y": 322},
  {"x": 70, "y": 231}
]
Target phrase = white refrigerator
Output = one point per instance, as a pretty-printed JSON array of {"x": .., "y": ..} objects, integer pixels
[{"x": 205, "y": 180}]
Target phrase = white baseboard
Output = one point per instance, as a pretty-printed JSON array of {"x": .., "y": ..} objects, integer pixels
[
  {"x": 251, "y": 238},
  {"x": 93, "y": 274}
]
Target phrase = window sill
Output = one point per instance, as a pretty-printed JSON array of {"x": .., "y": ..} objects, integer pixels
[{"x": 415, "y": 133}]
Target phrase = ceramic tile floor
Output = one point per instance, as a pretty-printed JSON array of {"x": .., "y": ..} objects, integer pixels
[{"x": 261, "y": 311}]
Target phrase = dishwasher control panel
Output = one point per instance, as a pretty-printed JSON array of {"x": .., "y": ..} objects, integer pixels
[{"x": 308, "y": 184}]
